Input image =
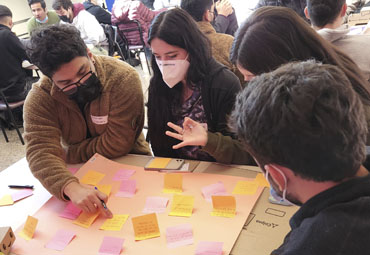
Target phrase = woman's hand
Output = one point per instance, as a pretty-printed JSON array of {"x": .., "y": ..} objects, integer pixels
[
  {"x": 87, "y": 198},
  {"x": 192, "y": 133}
]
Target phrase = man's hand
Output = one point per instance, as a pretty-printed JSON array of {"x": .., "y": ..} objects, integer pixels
[
  {"x": 224, "y": 8},
  {"x": 192, "y": 133},
  {"x": 87, "y": 198}
]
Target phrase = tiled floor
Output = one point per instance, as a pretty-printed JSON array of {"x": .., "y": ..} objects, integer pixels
[{"x": 13, "y": 151}]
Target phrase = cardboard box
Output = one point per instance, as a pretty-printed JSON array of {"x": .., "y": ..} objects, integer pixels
[{"x": 361, "y": 18}]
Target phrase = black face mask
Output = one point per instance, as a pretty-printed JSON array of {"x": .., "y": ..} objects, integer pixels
[
  {"x": 65, "y": 18},
  {"x": 88, "y": 91}
]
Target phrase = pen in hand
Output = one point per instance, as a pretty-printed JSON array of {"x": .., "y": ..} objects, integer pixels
[{"x": 102, "y": 202}]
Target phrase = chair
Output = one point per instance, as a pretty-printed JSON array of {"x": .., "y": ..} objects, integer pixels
[
  {"x": 8, "y": 107},
  {"x": 134, "y": 25},
  {"x": 112, "y": 36}
]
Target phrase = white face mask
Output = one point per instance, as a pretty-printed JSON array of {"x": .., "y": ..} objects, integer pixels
[{"x": 173, "y": 71}]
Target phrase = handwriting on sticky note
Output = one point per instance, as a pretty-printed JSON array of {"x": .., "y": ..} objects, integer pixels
[
  {"x": 155, "y": 205},
  {"x": 70, "y": 211},
  {"x": 115, "y": 223},
  {"x": 111, "y": 246},
  {"x": 29, "y": 228},
  {"x": 224, "y": 206},
  {"x": 60, "y": 240},
  {"x": 182, "y": 206},
  {"x": 123, "y": 174},
  {"x": 22, "y": 194},
  {"x": 246, "y": 188},
  {"x": 172, "y": 183},
  {"x": 86, "y": 219},
  {"x": 106, "y": 189},
  {"x": 179, "y": 235},
  {"x": 262, "y": 182},
  {"x": 127, "y": 188},
  {"x": 92, "y": 177},
  {"x": 146, "y": 226},
  {"x": 159, "y": 163},
  {"x": 6, "y": 200},
  {"x": 213, "y": 190},
  {"x": 209, "y": 248}
]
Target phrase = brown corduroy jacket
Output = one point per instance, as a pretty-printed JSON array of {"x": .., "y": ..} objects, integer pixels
[
  {"x": 56, "y": 130},
  {"x": 221, "y": 46}
]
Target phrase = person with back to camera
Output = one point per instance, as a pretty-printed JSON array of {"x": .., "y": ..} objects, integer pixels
[
  {"x": 305, "y": 126},
  {"x": 271, "y": 37},
  {"x": 84, "y": 104},
  {"x": 187, "y": 83}
]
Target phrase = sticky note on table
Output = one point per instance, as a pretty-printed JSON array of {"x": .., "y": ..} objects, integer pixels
[
  {"x": 60, "y": 240},
  {"x": 106, "y": 189},
  {"x": 127, "y": 188},
  {"x": 115, "y": 223},
  {"x": 182, "y": 206},
  {"x": 6, "y": 200},
  {"x": 21, "y": 194},
  {"x": 146, "y": 226},
  {"x": 172, "y": 183},
  {"x": 155, "y": 205},
  {"x": 123, "y": 174},
  {"x": 209, "y": 248},
  {"x": 159, "y": 163},
  {"x": 73, "y": 170},
  {"x": 224, "y": 206},
  {"x": 179, "y": 235},
  {"x": 214, "y": 190},
  {"x": 70, "y": 211},
  {"x": 86, "y": 219},
  {"x": 92, "y": 177},
  {"x": 111, "y": 246},
  {"x": 29, "y": 228},
  {"x": 246, "y": 188},
  {"x": 262, "y": 182}
]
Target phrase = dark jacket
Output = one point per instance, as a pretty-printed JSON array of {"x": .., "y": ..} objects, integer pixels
[
  {"x": 226, "y": 25},
  {"x": 100, "y": 14},
  {"x": 12, "y": 53},
  {"x": 297, "y": 5},
  {"x": 335, "y": 221},
  {"x": 218, "y": 91}
]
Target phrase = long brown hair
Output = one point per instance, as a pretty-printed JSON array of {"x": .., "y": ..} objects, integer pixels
[{"x": 273, "y": 36}]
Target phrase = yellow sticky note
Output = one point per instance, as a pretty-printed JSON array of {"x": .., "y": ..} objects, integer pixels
[
  {"x": 182, "y": 206},
  {"x": 245, "y": 188},
  {"x": 146, "y": 226},
  {"x": 116, "y": 223},
  {"x": 92, "y": 177},
  {"x": 262, "y": 182},
  {"x": 86, "y": 219},
  {"x": 159, "y": 163},
  {"x": 224, "y": 206},
  {"x": 6, "y": 200},
  {"x": 106, "y": 189},
  {"x": 172, "y": 183},
  {"x": 29, "y": 228}
]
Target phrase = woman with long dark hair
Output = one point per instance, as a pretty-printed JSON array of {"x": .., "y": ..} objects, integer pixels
[{"x": 187, "y": 84}]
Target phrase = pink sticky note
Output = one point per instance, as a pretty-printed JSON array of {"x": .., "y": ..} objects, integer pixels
[
  {"x": 155, "y": 205},
  {"x": 127, "y": 188},
  {"x": 60, "y": 240},
  {"x": 73, "y": 170},
  {"x": 179, "y": 235},
  {"x": 123, "y": 174},
  {"x": 70, "y": 211},
  {"x": 213, "y": 190},
  {"x": 209, "y": 248},
  {"x": 111, "y": 246},
  {"x": 22, "y": 194}
]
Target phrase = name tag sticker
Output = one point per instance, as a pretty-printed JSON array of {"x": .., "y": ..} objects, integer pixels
[{"x": 99, "y": 120}]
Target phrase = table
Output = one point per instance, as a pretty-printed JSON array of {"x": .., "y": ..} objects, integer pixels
[{"x": 264, "y": 230}]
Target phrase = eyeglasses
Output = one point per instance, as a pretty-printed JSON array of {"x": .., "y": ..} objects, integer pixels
[{"x": 72, "y": 88}]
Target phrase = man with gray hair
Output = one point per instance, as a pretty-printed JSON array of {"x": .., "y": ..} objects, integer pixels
[{"x": 305, "y": 126}]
